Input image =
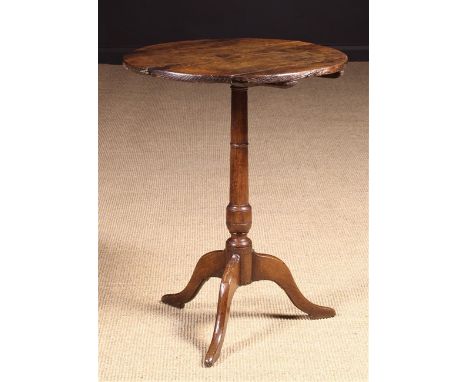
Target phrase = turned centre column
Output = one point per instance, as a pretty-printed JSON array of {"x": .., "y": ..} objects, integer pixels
[{"x": 239, "y": 211}]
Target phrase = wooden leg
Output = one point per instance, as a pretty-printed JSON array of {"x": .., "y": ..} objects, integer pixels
[
  {"x": 209, "y": 265},
  {"x": 267, "y": 267},
  {"x": 229, "y": 283}
]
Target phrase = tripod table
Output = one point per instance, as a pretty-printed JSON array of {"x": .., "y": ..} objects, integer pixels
[{"x": 241, "y": 63}]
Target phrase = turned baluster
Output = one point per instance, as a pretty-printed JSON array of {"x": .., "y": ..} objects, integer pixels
[{"x": 239, "y": 211}]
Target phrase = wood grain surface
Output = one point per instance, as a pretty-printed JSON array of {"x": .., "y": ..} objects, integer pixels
[{"x": 246, "y": 61}]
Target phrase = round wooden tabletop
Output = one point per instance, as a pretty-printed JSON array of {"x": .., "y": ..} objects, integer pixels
[{"x": 243, "y": 60}]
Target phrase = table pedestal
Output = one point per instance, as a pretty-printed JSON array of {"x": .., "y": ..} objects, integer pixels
[{"x": 238, "y": 264}]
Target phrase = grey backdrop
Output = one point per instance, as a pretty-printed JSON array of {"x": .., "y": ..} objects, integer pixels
[{"x": 128, "y": 24}]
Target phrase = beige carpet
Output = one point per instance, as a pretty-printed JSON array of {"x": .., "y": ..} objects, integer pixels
[{"x": 163, "y": 188}]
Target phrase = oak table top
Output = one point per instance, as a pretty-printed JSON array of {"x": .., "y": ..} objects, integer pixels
[{"x": 249, "y": 61}]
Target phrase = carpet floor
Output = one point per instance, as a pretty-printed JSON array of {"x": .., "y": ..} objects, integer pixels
[{"x": 163, "y": 189}]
